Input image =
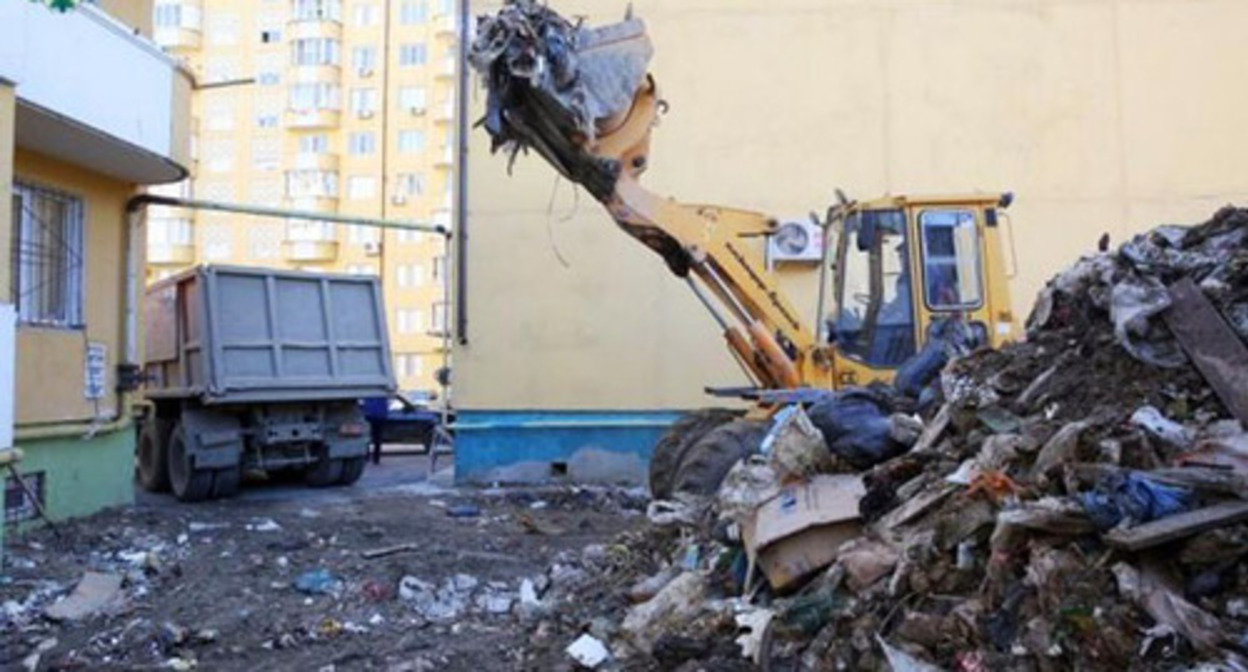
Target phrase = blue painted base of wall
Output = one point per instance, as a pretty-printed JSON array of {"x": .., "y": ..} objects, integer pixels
[{"x": 556, "y": 446}]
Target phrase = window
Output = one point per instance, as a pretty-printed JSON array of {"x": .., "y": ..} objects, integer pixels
[
  {"x": 364, "y": 59},
  {"x": 413, "y": 98},
  {"x": 439, "y": 317},
  {"x": 219, "y": 115},
  {"x": 317, "y": 10},
  {"x": 361, "y": 269},
  {"x": 265, "y": 239},
  {"x": 364, "y": 14},
  {"x": 364, "y": 102},
  {"x": 302, "y": 230},
  {"x": 876, "y": 327},
  {"x": 413, "y": 54},
  {"x": 410, "y": 236},
  {"x": 412, "y": 12},
  {"x": 439, "y": 268},
  {"x": 316, "y": 51},
  {"x": 268, "y": 121},
  {"x": 219, "y": 156},
  {"x": 408, "y": 276},
  {"x": 308, "y": 97},
  {"x": 359, "y": 144},
  {"x": 410, "y": 184},
  {"x": 446, "y": 7},
  {"x": 361, "y": 186},
  {"x": 411, "y": 141},
  {"x": 408, "y": 365},
  {"x": 266, "y": 192},
  {"x": 270, "y": 36},
  {"x": 360, "y": 235},
  {"x": 951, "y": 275},
  {"x": 407, "y": 320},
  {"x": 222, "y": 29},
  {"x": 48, "y": 245},
  {"x": 218, "y": 242},
  {"x": 165, "y": 231},
  {"x": 316, "y": 143},
  {"x": 269, "y": 79},
  {"x": 311, "y": 184}
]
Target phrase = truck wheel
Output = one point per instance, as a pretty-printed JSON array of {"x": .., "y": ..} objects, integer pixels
[
  {"x": 676, "y": 441},
  {"x": 154, "y": 455},
  {"x": 352, "y": 469},
  {"x": 189, "y": 484},
  {"x": 707, "y": 461},
  {"x": 324, "y": 473},
  {"x": 225, "y": 482}
]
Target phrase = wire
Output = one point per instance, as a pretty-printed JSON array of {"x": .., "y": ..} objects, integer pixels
[{"x": 550, "y": 229}]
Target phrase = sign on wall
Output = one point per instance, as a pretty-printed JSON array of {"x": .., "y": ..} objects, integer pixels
[{"x": 96, "y": 381}]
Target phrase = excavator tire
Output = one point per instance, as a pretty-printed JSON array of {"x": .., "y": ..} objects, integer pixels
[
  {"x": 707, "y": 461},
  {"x": 672, "y": 446}
]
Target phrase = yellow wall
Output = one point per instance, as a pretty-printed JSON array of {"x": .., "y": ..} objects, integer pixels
[
  {"x": 134, "y": 13},
  {"x": 51, "y": 361},
  {"x": 1103, "y": 115}
]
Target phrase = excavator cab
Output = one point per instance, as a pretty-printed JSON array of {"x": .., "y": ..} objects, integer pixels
[{"x": 903, "y": 266}]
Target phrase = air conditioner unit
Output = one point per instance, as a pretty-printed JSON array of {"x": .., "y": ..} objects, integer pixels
[
  {"x": 365, "y": 72},
  {"x": 417, "y": 110},
  {"x": 796, "y": 240},
  {"x": 399, "y": 199},
  {"x": 372, "y": 248},
  {"x": 366, "y": 114}
]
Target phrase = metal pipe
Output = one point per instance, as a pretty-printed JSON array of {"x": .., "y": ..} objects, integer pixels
[
  {"x": 726, "y": 292},
  {"x": 144, "y": 200},
  {"x": 706, "y": 301},
  {"x": 461, "y": 181}
]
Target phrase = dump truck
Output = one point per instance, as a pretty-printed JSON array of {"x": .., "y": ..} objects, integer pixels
[
  {"x": 259, "y": 369},
  {"x": 901, "y": 267}
]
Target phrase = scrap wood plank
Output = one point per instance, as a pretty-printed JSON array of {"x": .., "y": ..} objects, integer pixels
[
  {"x": 1215, "y": 349},
  {"x": 1178, "y": 526},
  {"x": 934, "y": 430}
]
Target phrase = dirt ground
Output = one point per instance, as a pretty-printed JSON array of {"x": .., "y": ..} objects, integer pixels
[{"x": 215, "y": 586}]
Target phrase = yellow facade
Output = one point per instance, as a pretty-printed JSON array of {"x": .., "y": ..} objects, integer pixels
[
  {"x": 1103, "y": 116},
  {"x": 335, "y": 106}
]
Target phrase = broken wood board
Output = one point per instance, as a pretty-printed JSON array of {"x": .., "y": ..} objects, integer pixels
[
  {"x": 1178, "y": 526},
  {"x": 1214, "y": 348},
  {"x": 917, "y": 506},
  {"x": 95, "y": 593},
  {"x": 934, "y": 430}
]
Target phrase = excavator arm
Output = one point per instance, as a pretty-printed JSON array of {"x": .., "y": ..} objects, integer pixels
[{"x": 583, "y": 99}]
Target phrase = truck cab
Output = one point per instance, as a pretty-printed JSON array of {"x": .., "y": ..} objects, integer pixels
[{"x": 901, "y": 265}]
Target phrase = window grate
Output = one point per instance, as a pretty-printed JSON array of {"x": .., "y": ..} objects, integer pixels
[
  {"x": 18, "y": 506},
  {"x": 47, "y": 258}
]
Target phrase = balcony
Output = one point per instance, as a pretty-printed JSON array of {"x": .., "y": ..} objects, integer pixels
[
  {"x": 314, "y": 74},
  {"x": 327, "y": 204},
  {"x": 313, "y": 119},
  {"x": 445, "y": 113},
  {"x": 447, "y": 25},
  {"x": 170, "y": 254},
  {"x": 310, "y": 251},
  {"x": 445, "y": 159},
  {"x": 442, "y": 217},
  {"x": 319, "y": 161},
  {"x": 447, "y": 69},
  {"x": 175, "y": 38},
  {"x": 93, "y": 94},
  {"x": 297, "y": 29}
]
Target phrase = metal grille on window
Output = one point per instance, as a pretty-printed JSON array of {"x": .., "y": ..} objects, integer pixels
[{"x": 47, "y": 281}]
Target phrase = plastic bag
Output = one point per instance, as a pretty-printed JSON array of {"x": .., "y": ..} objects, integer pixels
[
  {"x": 1133, "y": 498},
  {"x": 857, "y": 426}
]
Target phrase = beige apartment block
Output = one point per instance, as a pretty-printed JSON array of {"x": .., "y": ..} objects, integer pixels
[{"x": 337, "y": 106}]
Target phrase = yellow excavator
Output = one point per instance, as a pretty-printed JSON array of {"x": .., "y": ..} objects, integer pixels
[{"x": 901, "y": 265}]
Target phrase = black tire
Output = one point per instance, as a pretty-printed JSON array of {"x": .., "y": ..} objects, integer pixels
[
  {"x": 188, "y": 484},
  {"x": 225, "y": 482},
  {"x": 676, "y": 441},
  {"x": 352, "y": 469},
  {"x": 707, "y": 461},
  {"x": 153, "y": 455},
  {"x": 324, "y": 473}
]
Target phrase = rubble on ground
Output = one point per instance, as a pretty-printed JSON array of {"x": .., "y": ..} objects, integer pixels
[{"x": 1073, "y": 501}]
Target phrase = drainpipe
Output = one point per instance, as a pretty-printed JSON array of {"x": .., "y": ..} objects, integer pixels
[{"x": 461, "y": 179}]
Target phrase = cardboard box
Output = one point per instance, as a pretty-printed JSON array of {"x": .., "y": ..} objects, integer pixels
[{"x": 798, "y": 532}]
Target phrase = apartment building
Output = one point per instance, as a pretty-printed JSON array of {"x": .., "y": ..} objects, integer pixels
[{"x": 335, "y": 106}]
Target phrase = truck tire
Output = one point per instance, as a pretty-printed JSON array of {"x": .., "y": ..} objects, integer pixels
[
  {"x": 707, "y": 461},
  {"x": 325, "y": 472},
  {"x": 225, "y": 482},
  {"x": 189, "y": 484},
  {"x": 352, "y": 469},
  {"x": 153, "y": 452},
  {"x": 676, "y": 441}
]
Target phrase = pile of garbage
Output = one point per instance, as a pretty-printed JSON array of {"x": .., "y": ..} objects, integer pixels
[{"x": 1074, "y": 501}]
